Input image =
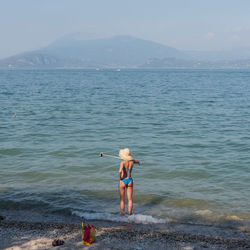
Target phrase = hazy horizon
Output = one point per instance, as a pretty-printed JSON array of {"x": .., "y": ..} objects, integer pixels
[{"x": 185, "y": 25}]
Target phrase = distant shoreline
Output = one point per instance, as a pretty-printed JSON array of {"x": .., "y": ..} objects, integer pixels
[{"x": 121, "y": 68}]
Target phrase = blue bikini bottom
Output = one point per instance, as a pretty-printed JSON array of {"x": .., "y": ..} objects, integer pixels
[{"x": 126, "y": 181}]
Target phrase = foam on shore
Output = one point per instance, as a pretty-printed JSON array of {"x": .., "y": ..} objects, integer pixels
[{"x": 134, "y": 218}]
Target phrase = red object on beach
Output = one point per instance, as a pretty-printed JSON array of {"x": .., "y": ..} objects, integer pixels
[{"x": 88, "y": 234}]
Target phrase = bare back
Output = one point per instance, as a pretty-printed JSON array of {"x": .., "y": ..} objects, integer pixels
[{"x": 125, "y": 170}]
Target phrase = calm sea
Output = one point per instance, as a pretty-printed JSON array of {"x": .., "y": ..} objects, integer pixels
[{"x": 189, "y": 128}]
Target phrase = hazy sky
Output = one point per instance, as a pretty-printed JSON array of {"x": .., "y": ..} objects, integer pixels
[{"x": 183, "y": 24}]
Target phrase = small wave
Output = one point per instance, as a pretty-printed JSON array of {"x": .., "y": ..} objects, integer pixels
[
  {"x": 203, "y": 212},
  {"x": 11, "y": 151},
  {"x": 135, "y": 218}
]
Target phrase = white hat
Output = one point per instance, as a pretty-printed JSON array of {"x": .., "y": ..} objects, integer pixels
[{"x": 125, "y": 154}]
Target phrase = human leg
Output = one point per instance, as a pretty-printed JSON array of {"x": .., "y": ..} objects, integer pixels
[
  {"x": 122, "y": 197},
  {"x": 130, "y": 197}
]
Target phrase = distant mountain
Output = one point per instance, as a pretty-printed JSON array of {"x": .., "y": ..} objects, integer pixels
[
  {"x": 77, "y": 51},
  {"x": 118, "y": 51},
  {"x": 43, "y": 59}
]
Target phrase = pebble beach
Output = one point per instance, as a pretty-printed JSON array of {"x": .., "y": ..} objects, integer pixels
[{"x": 38, "y": 232}]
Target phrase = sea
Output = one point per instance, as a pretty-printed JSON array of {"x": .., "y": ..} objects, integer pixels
[{"x": 190, "y": 130}]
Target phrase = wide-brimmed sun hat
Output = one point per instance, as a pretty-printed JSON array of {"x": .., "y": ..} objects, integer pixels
[{"x": 125, "y": 154}]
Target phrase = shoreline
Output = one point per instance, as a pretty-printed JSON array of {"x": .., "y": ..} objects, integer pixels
[{"x": 38, "y": 233}]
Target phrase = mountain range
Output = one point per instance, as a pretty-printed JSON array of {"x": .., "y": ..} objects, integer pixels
[{"x": 71, "y": 51}]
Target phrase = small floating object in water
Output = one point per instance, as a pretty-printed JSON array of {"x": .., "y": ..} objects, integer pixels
[{"x": 15, "y": 115}]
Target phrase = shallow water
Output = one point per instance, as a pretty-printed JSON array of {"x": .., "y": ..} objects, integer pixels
[{"x": 189, "y": 128}]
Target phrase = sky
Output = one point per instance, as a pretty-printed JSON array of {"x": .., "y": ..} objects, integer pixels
[{"x": 183, "y": 24}]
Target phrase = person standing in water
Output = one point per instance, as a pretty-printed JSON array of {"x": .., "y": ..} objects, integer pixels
[{"x": 126, "y": 181}]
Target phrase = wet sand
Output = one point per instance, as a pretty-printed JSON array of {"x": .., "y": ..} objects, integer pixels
[{"x": 30, "y": 233}]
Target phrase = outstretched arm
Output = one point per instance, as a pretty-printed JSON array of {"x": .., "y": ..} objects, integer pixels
[{"x": 136, "y": 162}]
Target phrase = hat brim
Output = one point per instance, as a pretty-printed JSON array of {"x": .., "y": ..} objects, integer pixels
[
  {"x": 125, "y": 154},
  {"x": 126, "y": 157}
]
